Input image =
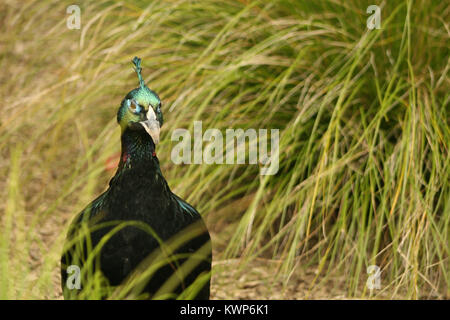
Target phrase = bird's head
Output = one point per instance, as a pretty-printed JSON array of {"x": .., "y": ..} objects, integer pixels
[{"x": 141, "y": 108}]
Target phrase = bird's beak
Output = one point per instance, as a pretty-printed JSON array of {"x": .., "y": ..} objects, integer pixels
[{"x": 151, "y": 125}]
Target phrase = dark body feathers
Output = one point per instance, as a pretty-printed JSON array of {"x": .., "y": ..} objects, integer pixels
[{"x": 138, "y": 192}]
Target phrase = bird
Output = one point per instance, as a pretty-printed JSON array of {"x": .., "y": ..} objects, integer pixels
[{"x": 137, "y": 239}]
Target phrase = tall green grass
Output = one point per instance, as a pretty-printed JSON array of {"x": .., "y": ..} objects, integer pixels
[{"x": 363, "y": 118}]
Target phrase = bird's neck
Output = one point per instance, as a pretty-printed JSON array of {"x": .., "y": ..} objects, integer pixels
[{"x": 137, "y": 149}]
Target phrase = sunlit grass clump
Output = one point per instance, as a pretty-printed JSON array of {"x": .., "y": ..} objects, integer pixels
[{"x": 363, "y": 118}]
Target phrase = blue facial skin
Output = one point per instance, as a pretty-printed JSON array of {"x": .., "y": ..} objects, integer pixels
[{"x": 134, "y": 106}]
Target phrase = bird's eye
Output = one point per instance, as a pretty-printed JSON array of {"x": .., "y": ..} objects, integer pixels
[{"x": 135, "y": 108}]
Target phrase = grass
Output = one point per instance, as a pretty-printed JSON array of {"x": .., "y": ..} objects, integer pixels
[{"x": 364, "y": 134}]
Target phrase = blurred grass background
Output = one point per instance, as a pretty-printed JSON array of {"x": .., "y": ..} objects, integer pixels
[{"x": 364, "y": 136}]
